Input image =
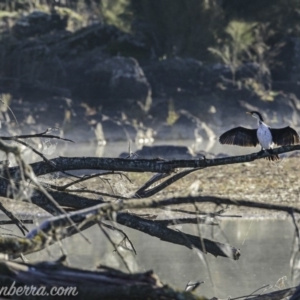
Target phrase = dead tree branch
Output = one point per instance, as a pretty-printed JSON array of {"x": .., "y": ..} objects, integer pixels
[
  {"x": 104, "y": 283},
  {"x": 144, "y": 165}
]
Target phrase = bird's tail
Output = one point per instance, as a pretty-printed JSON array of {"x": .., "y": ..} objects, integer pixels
[{"x": 273, "y": 157}]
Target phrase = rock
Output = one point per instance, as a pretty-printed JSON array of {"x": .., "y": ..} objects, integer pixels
[
  {"x": 164, "y": 151},
  {"x": 186, "y": 127},
  {"x": 175, "y": 74},
  {"x": 117, "y": 131},
  {"x": 119, "y": 78},
  {"x": 39, "y": 23},
  {"x": 129, "y": 45}
]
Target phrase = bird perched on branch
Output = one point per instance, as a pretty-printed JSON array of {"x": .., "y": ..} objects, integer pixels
[{"x": 264, "y": 135}]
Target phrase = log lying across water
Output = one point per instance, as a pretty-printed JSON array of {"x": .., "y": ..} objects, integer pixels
[{"x": 54, "y": 278}]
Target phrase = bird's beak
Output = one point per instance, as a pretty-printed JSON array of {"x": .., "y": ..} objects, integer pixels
[{"x": 248, "y": 112}]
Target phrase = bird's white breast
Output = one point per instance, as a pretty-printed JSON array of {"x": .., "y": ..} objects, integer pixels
[{"x": 264, "y": 136}]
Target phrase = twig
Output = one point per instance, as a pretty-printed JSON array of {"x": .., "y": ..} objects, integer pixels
[
  {"x": 296, "y": 229},
  {"x": 87, "y": 177},
  {"x": 121, "y": 232},
  {"x": 39, "y": 135},
  {"x": 169, "y": 222},
  {"x": 203, "y": 258},
  {"x": 95, "y": 193},
  {"x": 115, "y": 247},
  {"x": 212, "y": 215},
  {"x": 35, "y": 151},
  {"x": 142, "y": 190},
  {"x": 252, "y": 294},
  {"x": 14, "y": 219},
  {"x": 163, "y": 185}
]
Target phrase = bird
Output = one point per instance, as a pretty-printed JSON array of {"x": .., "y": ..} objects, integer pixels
[{"x": 264, "y": 135}]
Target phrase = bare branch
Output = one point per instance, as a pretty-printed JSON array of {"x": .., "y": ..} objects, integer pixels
[
  {"x": 37, "y": 135},
  {"x": 145, "y": 165}
]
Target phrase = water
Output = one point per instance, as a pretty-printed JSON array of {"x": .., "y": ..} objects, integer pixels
[
  {"x": 114, "y": 149},
  {"x": 265, "y": 252}
]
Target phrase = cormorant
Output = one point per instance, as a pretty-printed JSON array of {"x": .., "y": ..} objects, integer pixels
[{"x": 263, "y": 135}]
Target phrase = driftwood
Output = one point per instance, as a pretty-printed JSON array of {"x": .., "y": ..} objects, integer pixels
[
  {"x": 104, "y": 283},
  {"x": 277, "y": 295}
]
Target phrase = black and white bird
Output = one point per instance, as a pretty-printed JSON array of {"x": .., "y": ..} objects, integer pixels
[{"x": 264, "y": 135}]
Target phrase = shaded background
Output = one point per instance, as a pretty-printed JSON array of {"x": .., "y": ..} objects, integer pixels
[{"x": 143, "y": 70}]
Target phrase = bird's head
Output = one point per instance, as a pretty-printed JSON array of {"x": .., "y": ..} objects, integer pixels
[{"x": 255, "y": 114}]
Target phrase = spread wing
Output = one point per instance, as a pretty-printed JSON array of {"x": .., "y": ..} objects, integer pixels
[
  {"x": 239, "y": 136},
  {"x": 285, "y": 136}
]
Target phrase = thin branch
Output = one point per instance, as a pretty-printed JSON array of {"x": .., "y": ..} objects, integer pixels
[
  {"x": 37, "y": 135},
  {"x": 150, "y": 192},
  {"x": 95, "y": 193},
  {"x": 35, "y": 151},
  {"x": 122, "y": 233},
  {"x": 10, "y": 222},
  {"x": 142, "y": 190},
  {"x": 115, "y": 247},
  {"x": 208, "y": 214},
  {"x": 14, "y": 219},
  {"x": 169, "y": 222},
  {"x": 87, "y": 177},
  {"x": 252, "y": 294},
  {"x": 296, "y": 229}
]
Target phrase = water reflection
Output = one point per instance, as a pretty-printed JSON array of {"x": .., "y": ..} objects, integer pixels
[{"x": 265, "y": 247}]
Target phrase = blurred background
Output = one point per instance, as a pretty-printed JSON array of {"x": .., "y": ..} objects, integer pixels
[{"x": 146, "y": 70}]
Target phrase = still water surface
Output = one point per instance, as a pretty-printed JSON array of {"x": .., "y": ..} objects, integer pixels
[{"x": 265, "y": 253}]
